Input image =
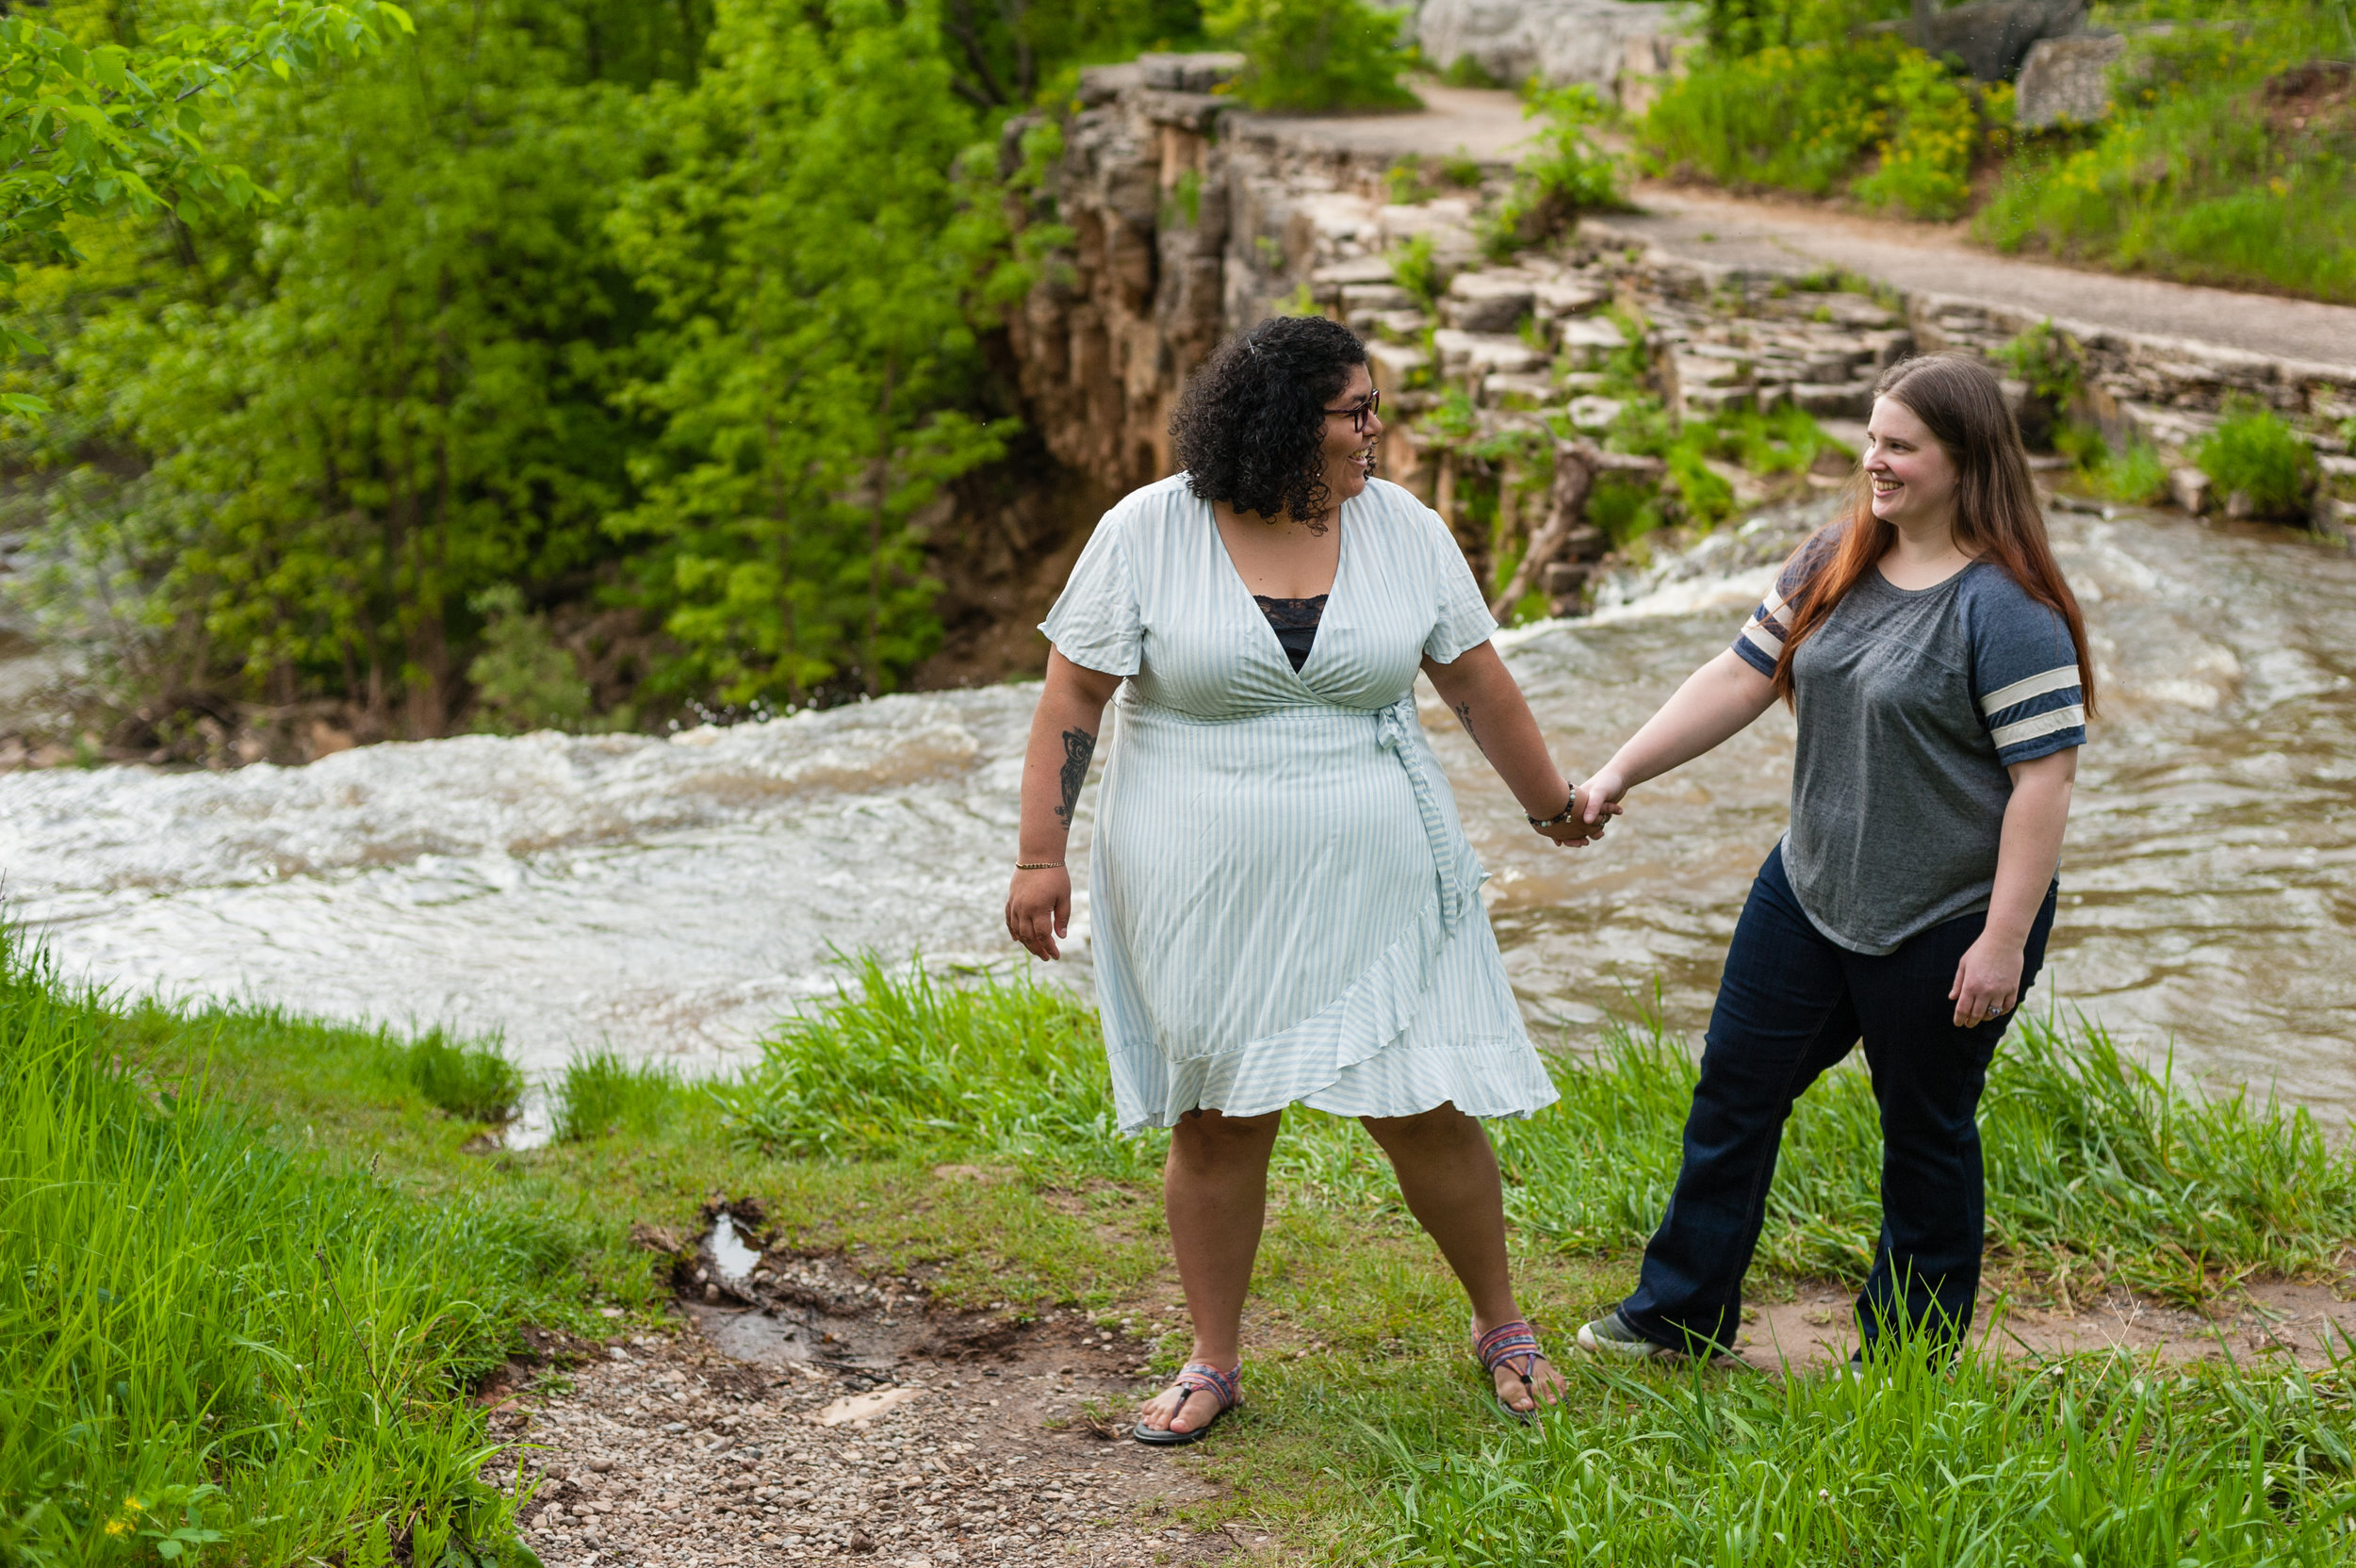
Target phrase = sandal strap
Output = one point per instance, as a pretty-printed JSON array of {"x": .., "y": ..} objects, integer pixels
[
  {"x": 1201, "y": 1377},
  {"x": 1507, "y": 1342}
]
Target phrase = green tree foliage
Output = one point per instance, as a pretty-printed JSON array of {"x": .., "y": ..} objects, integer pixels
[
  {"x": 386, "y": 396},
  {"x": 659, "y": 304},
  {"x": 1305, "y": 56},
  {"x": 92, "y": 122},
  {"x": 817, "y": 257}
]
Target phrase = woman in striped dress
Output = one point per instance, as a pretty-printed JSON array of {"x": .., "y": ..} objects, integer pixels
[{"x": 1285, "y": 909}]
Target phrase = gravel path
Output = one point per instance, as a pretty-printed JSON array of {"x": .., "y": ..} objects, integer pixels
[
  {"x": 1935, "y": 259},
  {"x": 854, "y": 1427}
]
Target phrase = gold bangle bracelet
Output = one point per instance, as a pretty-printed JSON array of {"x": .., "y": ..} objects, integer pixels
[{"x": 1039, "y": 865}]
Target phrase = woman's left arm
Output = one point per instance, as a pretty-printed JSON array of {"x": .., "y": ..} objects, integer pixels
[
  {"x": 1486, "y": 700},
  {"x": 1987, "y": 981}
]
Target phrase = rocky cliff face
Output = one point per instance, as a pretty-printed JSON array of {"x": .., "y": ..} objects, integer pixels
[{"x": 1188, "y": 220}]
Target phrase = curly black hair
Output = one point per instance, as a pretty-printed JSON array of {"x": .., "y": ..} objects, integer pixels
[{"x": 1249, "y": 429}]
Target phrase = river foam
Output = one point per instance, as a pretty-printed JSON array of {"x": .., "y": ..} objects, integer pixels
[{"x": 673, "y": 895}]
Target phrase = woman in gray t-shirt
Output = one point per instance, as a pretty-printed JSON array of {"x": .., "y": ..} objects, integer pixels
[{"x": 1935, "y": 661}]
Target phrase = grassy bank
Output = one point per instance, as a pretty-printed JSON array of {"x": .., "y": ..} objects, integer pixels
[
  {"x": 314, "y": 1183},
  {"x": 214, "y": 1346},
  {"x": 2226, "y": 158}
]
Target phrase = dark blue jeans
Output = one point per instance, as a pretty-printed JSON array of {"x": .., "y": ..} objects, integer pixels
[{"x": 1792, "y": 1004}]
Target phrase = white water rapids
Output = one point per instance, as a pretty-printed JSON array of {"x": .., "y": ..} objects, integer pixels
[{"x": 675, "y": 896}]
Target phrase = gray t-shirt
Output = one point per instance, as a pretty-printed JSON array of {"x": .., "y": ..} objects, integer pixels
[{"x": 1911, "y": 705}]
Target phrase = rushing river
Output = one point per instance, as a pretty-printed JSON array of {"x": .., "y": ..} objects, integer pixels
[{"x": 675, "y": 896}]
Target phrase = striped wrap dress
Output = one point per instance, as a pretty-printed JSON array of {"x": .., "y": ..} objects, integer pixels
[{"x": 1285, "y": 910}]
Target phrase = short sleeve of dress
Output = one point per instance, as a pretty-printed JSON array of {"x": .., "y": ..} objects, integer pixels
[
  {"x": 1760, "y": 645},
  {"x": 1095, "y": 622},
  {"x": 2025, "y": 672},
  {"x": 1461, "y": 619}
]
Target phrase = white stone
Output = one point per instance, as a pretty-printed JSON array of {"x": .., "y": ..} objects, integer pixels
[
  {"x": 1559, "y": 42},
  {"x": 1568, "y": 296},
  {"x": 1587, "y": 339},
  {"x": 1488, "y": 302},
  {"x": 1394, "y": 364},
  {"x": 2066, "y": 79},
  {"x": 1595, "y": 413},
  {"x": 1483, "y": 354},
  {"x": 1377, "y": 296}
]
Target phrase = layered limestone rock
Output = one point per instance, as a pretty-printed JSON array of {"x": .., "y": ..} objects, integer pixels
[{"x": 1190, "y": 220}]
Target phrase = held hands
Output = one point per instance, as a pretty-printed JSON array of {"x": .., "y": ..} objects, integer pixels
[
  {"x": 1587, "y": 819},
  {"x": 1594, "y": 805},
  {"x": 1038, "y": 909},
  {"x": 1987, "y": 981}
]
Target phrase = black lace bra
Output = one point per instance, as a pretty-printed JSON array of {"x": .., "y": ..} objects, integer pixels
[{"x": 1295, "y": 623}]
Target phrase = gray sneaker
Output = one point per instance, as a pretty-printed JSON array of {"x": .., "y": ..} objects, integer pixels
[{"x": 1611, "y": 1335}]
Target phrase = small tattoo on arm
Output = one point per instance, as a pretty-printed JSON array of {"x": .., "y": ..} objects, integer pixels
[
  {"x": 1464, "y": 716},
  {"x": 1078, "y": 746}
]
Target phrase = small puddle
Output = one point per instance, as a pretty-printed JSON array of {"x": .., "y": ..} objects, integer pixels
[{"x": 737, "y": 1259}]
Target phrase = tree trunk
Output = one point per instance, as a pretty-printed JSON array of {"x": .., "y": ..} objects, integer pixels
[{"x": 882, "y": 482}]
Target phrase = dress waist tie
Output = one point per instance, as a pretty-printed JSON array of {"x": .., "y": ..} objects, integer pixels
[{"x": 1457, "y": 868}]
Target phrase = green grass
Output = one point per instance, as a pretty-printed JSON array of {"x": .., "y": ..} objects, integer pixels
[
  {"x": 212, "y": 1346},
  {"x": 961, "y": 1127},
  {"x": 604, "y": 1093},
  {"x": 470, "y": 1080},
  {"x": 2096, "y": 1460},
  {"x": 2214, "y": 171},
  {"x": 2098, "y": 1169}
]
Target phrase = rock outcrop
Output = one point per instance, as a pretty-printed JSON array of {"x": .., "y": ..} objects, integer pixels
[
  {"x": 1559, "y": 42},
  {"x": 1190, "y": 220},
  {"x": 2066, "y": 80}
]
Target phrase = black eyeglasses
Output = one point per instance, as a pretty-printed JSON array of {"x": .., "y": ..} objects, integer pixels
[{"x": 1360, "y": 412}]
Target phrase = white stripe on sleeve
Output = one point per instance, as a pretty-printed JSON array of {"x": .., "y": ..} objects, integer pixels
[
  {"x": 1763, "y": 639},
  {"x": 2072, "y": 717},
  {"x": 2036, "y": 686}
]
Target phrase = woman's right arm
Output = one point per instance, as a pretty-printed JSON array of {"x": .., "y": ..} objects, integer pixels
[
  {"x": 1064, "y": 728},
  {"x": 1716, "y": 701}
]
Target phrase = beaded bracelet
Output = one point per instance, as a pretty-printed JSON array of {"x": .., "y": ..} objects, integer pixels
[{"x": 1569, "y": 808}]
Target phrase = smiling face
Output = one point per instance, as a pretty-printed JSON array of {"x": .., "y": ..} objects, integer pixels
[
  {"x": 1348, "y": 453},
  {"x": 1912, "y": 476}
]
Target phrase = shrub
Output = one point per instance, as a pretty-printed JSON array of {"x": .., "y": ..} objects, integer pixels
[
  {"x": 2137, "y": 476},
  {"x": 2258, "y": 455},
  {"x": 1308, "y": 56},
  {"x": 1806, "y": 118},
  {"x": 1414, "y": 269},
  {"x": 523, "y": 679},
  {"x": 1564, "y": 173}
]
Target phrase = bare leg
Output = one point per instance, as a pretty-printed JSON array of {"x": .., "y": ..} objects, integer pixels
[
  {"x": 1448, "y": 1175},
  {"x": 1214, "y": 1192}
]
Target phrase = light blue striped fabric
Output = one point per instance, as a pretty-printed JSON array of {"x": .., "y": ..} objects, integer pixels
[{"x": 1285, "y": 909}]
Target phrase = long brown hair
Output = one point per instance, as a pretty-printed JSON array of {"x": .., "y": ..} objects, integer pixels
[{"x": 1997, "y": 517}]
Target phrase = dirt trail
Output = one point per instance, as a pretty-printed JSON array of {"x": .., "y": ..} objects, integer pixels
[
  {"x": 2306, "y": 1322},
  {"x": 1796, "y": 237},
  {"x": 1937, "y": 259},
  {"x": 807, "y": 1415}
]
